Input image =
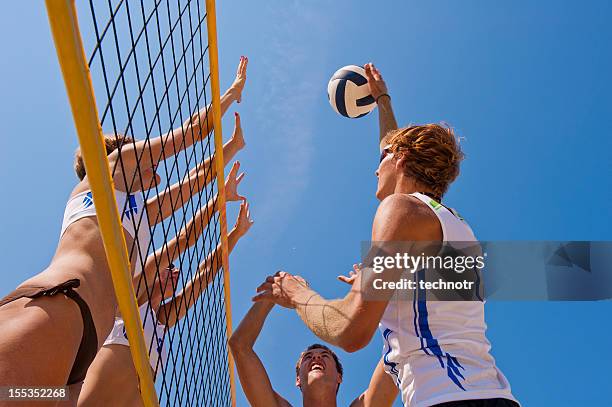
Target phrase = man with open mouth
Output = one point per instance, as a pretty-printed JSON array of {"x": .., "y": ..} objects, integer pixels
[{"x": 318, "y": 371}]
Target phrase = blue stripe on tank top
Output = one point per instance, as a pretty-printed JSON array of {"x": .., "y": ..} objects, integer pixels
[
  {"x": 427, "y": 339},
  {"x": 392, "y": 365}
]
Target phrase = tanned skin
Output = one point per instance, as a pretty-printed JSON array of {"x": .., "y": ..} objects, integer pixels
[
  {"x": 350, "y": 322},
  {"x": 317, "y": 378},
  {"x": 112, "y": 379},
  {"x": 33, "y": 329}
]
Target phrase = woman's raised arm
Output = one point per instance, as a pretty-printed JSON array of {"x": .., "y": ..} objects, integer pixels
[
  {"x": 185, "y": 238},
  {"x": 172, "y": 311},
  {"x": 170, "y": 199},
  {"x": 147, "y": 153}
]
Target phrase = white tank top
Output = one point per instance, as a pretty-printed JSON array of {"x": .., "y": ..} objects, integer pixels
[
  {"x": 437, "y": 351},
  {"x": 153, "y": 334},
  {"x": 133, "y": 217}
]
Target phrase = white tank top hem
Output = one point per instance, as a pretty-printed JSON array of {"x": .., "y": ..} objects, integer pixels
[
  {"x": 437, "y": 351},
  {"x": 154, "y": 336}
]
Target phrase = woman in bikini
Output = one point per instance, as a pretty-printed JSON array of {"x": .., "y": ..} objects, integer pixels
[
  {"x": 112, "y": 380},
  {"x": 53, "y": 324}
]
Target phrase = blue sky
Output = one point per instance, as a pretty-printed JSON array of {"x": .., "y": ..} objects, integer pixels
[{"x": 525, "y": 84}]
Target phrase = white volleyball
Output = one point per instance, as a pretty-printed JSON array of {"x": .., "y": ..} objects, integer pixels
[{"x": 348, "y": 92}]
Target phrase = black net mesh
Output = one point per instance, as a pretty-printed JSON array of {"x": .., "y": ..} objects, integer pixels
[{"x": 150, "y": 70}]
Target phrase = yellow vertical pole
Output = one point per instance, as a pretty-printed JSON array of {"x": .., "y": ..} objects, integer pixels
[
  {"x": 213, "y": 56},
  {"x": 71, "y": 55}
]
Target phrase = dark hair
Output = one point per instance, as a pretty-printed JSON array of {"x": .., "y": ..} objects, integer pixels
[
  {"x": 112, "y": 142},
  {"x": 433, "y": 154},
  {"x": 339, "y": 368}
]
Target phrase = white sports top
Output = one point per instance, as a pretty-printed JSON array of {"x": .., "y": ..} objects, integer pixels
[
  {"x": 153, "y": 334},
  {"x": 437, "y": 351},
  {"x": 134, "y": 218}
]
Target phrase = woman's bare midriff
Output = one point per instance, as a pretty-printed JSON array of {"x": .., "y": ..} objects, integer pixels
[{"x": 80, "y": 254}]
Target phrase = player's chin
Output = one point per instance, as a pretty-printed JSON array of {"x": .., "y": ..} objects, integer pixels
[{"x": 380, "y": 192}]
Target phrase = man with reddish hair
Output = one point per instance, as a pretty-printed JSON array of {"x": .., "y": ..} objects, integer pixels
[{"x": 435, "y": 352}]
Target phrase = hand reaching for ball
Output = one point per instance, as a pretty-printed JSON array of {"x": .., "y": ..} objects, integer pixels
[{"x": 377, "y": 85}]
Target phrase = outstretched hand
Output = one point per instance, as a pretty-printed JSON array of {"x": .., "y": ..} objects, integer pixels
[
  {"x": 350, "y": 279},
  {"x": 241, "y": 75},
  {"x": 244, "y": 221},
  {"x": 282, "y": 288},
  {"x": 376, "y": 83},
  {"x": 238, "y": 135},
  {"x": 232, "y": 182}
]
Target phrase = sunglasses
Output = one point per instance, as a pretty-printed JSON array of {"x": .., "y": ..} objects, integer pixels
[{"x": 385, "y": 151}]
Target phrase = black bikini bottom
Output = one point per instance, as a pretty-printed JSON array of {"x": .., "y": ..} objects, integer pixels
[{"x": 89, "y": 341}]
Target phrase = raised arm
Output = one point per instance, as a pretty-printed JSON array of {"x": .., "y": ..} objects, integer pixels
[
  {"x": 381, "y": 391},
  {"x": 147, "y": 153},
  {"x": 378, "y": 89},
  {"x": 186, "y": 237},
  {"x": 251, "y": 371},
  {"x": 172, "y": 311},
  {"x": 350, "y": 322},
  {"x": 163, "y": 205}
]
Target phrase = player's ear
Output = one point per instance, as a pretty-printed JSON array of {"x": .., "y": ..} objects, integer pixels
[
  {"x": 401, "y": 162},
  {"x": 339, "y": 378},
  {"x": 297, "y": 382}
]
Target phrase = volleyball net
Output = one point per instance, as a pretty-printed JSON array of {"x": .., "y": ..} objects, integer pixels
[{"x": 152, "y": 66}]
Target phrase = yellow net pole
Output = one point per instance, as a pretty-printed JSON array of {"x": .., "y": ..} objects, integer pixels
[
  {"x": 75, "y": 70},
  {"x": 213, "y": 55}
]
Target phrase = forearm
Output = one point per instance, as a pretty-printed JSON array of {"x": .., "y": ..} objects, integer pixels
[
  {"x": 197, "y": 179},
  {"x": 381, "y": 391},
  {"x": 207, "y": 271},
  {"x": 194, "y": 228},
  {"x": 203, "y": 121},
  {"x": 251, "y": 371},
  {"x": 170, "y": 250},
  {"x": 328, "y": 319},
  {"x": 205, "y": 172},
  {"x": 386, "y": 117},
  {"x": 250, "y": 327}
]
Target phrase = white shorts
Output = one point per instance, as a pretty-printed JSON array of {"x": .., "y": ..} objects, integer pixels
[{"x": 154, "y": 338}]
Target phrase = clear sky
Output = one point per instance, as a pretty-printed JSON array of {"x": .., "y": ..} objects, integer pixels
[{"x": 525, "y": 84}]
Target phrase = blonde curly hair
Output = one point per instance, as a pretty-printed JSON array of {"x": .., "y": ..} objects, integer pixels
[{"x": 433, "y": 154}]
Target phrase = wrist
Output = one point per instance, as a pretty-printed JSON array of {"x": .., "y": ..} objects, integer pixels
[
  {"x": 239, "y": 232},
  {"x": 383, "y": 98},
  {"x": 235, "y": 144},
  {"x": 231, "y": 93},
  {"x": 234, "y": 92},
  {"x": 265, "y": 306}
]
